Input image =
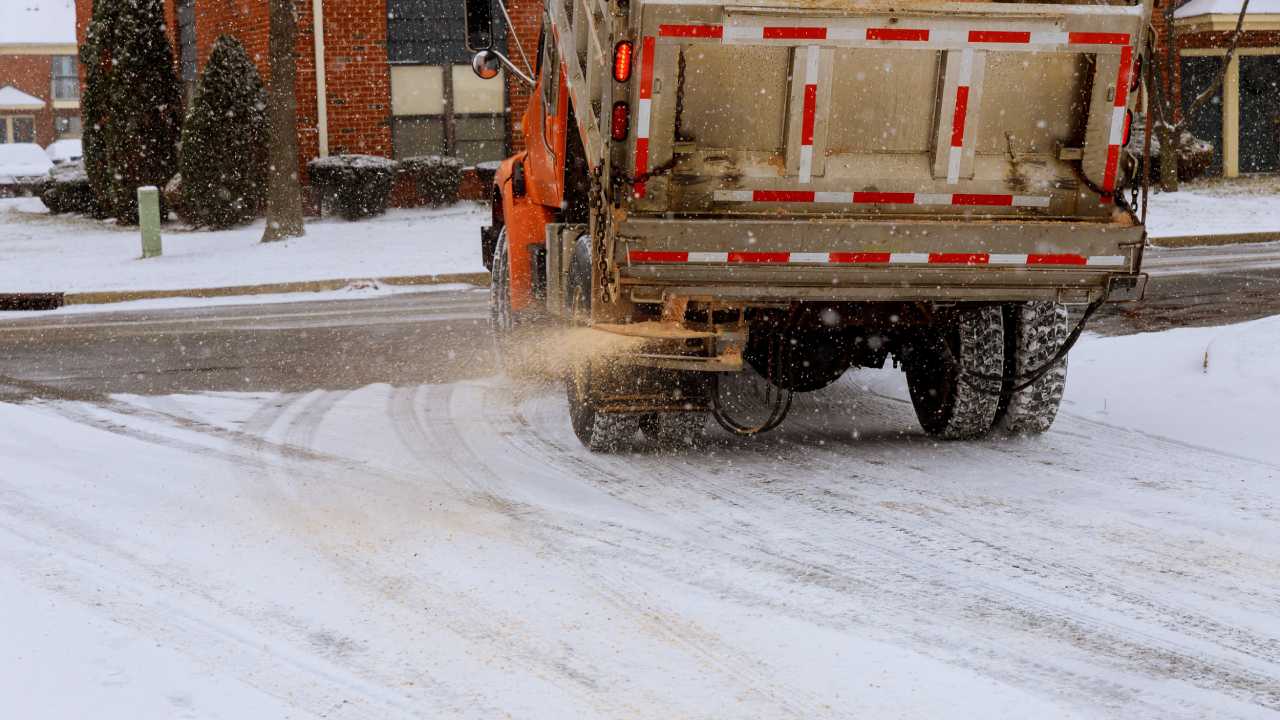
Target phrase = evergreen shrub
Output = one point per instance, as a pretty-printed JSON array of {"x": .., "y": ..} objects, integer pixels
[{"x": 436, "y": 179}]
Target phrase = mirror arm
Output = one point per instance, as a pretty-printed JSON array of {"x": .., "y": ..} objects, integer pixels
[
  {"x": 511, "y": 27},
  {"x": 526, "y": 79}
]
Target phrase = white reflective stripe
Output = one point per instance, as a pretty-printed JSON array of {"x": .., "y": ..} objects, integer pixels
[
  {"x": 928, "y": 199},
  {"x": 810, "y": 257},
  {"x": 908, "y": 258},
  {"x": 806, "y": 163},
  {"x": 1050, "y": 38},
  {"x": 1105, "y": 260},
  {"x": 732, "y": 195},
  {"x": 996, "y": 259},
  {"x": 733, "y": 33},
  {"x": 708, "y": 257},
  {"x": 811, "y": 66},
  {"x": 843, "y": 198},
  {"x": 946, "y": 38},
  {"x": 642, "y": 118},
  {"x": 1117, "y": 126},
  {"x": 1031, "y": 200},
  {"x": 953, "y": 166},
  {"x": 966, "y": 66}
]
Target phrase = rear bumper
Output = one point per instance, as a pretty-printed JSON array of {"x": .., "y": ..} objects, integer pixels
[{"x": 914, "y": 260}]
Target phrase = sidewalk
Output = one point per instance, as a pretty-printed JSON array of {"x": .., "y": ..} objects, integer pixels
[
  {"x": 40, "y": 253},
  {"x": 1215, "y": 212}
]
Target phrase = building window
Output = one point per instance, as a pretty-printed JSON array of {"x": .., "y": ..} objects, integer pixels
[
  {"x": 66, "y": 78},
  {"x": 18, "y": 129},
  {"x": 447, "y": 110},
  {"x": 68, "y": 126},
  {"x": 439, "y": 106}
]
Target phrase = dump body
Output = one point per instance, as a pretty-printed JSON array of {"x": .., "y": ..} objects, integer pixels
[{"x": 821, "y": 150}]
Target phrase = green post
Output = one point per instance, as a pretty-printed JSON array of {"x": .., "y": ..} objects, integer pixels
[{"x": 149, "y": 220}]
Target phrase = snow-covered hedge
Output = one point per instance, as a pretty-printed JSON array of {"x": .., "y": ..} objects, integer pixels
[
  {"x": 67, "y": 190},
  {"x": 435, "y": 178},
  {"x": 354, "y": 186}
]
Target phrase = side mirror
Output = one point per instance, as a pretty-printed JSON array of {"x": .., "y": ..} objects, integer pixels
[
  {"x": 479, "y": 24},
  {"x": 486, "y": 64}
]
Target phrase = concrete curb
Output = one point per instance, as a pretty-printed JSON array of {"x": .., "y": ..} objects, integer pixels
[
  {"x": 50, "y": 301},
  {"x": 1182, "y": 241}
]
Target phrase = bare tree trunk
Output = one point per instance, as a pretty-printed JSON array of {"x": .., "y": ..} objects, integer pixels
[{"x": 284, "y": 192}]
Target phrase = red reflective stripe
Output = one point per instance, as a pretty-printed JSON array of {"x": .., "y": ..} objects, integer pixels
[
  {"x": 1113, "y": 160},
  {"x": 1122, "y": 81},
  {"x": 1097, "y": 38},
  {"x": 646, "y": 93},
  {"x": 1056, "y": 260},
  {"x": 999, "y": 36},
  {"x": 957, "y": 122},
  {"x": 859, "y": 257},
  {"x": 646, "y": 69},
  {"x": 884, "y": 198},
  {"x": 959, "y": 258},
  {"x": 963, "y": 199},
  {"x": 642, "y": 163},
  {"x": 782, "y": 196},
  {"x": 903, "y": 34},
  {"x": 657, "y": 256},
  {"x": 691, "y": 31},
  {"x": 810, "y": 109},
  {"x": 759, "y": 257},
  {"x": 795, "y": 33}
]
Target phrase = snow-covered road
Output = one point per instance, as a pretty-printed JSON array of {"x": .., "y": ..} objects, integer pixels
[{"x": 449, "y": 551}]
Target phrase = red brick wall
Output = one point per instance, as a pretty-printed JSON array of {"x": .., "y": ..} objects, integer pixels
[
  {"x": 526, "y": 15},
  {"x": 33, "y": 75},
  {"x": 358, "y": 77}
]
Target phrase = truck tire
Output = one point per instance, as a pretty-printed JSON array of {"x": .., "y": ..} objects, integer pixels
[
  {"x": 598, "y": 431},
  {"x": 943, "y": 369},
  {"x": 674, "y": 430},
  {"x": 1035, "y": 331},
  {"x": 501, "y": 314}
]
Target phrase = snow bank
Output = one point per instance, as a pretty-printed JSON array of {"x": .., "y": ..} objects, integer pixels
[
  {"x": 1214, "y": 387},
  {"x": 43, "y": 253},
  {"x": 1216, "y": 208}
]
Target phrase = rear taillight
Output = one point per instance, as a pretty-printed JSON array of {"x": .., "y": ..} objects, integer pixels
[
  {"x": 1137, "y": 75},
  {"x": 622, "y": 61},
  {"x": 1128, "y": 127},
  {"x": 620, "y": 123}
]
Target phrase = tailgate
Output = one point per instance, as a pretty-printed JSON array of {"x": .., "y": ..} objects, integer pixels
[{"x": 950, "y": 110}]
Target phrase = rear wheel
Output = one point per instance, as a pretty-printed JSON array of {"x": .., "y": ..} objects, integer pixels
[
  {"x": 596, "y": 429},
  {"x": 1035, "y": 332},
  {"x": 946, "y": 368}
]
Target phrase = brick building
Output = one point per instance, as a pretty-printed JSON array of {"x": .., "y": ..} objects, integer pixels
[
  {"x": 394, "y": 75},
  {"x": 39, "y": 85}
]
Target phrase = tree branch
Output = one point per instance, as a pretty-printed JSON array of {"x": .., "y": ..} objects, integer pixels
[{"x": 1212, "y": 90}]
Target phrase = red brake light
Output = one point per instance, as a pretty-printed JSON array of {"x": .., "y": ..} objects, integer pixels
[
  {"x": 621, "y": 121},
  {"x": 1128, "y": 127},
  {"x": 622, "y": 61}
]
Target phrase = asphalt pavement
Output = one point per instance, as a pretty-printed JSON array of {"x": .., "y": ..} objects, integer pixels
[{"x": 442, "y": 336}]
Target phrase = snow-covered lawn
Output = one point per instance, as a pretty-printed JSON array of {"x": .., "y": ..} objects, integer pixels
[
  {"x": 451, "y": 551},
  {"x": 1215, "y": 207},
  {"x": 44, "y": 253}
]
